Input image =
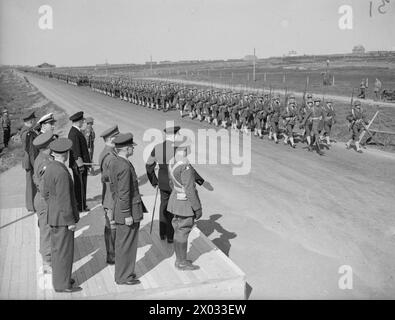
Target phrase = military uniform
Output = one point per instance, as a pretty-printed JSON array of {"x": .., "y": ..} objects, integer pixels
[
  {"x": 184, "y": 204},
  {"x": 58, "y": 192},
  {"x": 6, "y": 123},
  {"x": 90, "y": 137},
  {"x": 357, "y": 121},
  {"x": 330, "y": 120},
  {"x": 40, "y": 165},
  {"x": 79, "y": 154},
  {"x": 161, "y": 155},
  {"x": 30, "y": 152},
  {"x": 127, "y": 204},
  {"x": 315, "y": 118},
  {"x": 105, "y": 158}
]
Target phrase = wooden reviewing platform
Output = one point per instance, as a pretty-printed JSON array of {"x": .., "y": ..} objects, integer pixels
[{"x": 21, "y": 274}]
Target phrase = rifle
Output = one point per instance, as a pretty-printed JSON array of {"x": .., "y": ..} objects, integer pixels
[{"x": 366, "y": 128}]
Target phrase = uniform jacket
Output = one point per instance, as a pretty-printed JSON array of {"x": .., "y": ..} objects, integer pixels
[
  {"x": 184, "y": 199},
  {"x": 127, "y": 198},
  {"x": 1, "y": 134},
  {"x": 104, "y": 161},
  {"x": 30, "y": 152},
  {"x": 162, "y": 154},
  {"x": 58, "y": 192},
  {"x": 40, "y": 165},
  {"x": 357, "y": 118},
  {"x": 89, "y": 137},
  {"x": 79, "y": 148}
]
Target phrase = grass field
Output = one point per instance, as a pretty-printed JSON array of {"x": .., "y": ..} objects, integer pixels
[{"x": 18, "y": 95}]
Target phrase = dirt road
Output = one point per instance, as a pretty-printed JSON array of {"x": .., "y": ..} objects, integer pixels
[{"x": 293, "y": 221}]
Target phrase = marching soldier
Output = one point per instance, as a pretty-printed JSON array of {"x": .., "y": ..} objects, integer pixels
[
  {"x": 275, "y": 113},
  {"x": 40, "y": 164},
  {"x": 58, "y": 192},
  {"x": 357, "y": 121},
  {"x": 377, "y": 89},
  {"x": 289, "y": 115},
  {"x": 128, "y": 210},
  {"x": 184, "y": 204},
  {"x": 362, "y": 89},
  {"x": 315, "y": 117},
  {"x": 330, "y": 120},
  {"x": 79, "y": 155},
  {"x": 30, "y": 152},
  {"x": 161, "y": 155},
  {"x": 105, "y": 158},
  {"x": 46, "y": 123}
]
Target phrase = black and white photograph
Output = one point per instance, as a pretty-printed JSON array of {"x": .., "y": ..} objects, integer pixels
[{"x": 199, "y": 150}]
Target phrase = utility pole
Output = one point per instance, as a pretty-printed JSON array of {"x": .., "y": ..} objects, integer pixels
[{"x": 253, "y": 68}]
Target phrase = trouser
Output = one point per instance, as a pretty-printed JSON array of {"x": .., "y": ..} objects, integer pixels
[
  {"x": 7, "y": 134},
  {"x": 182, "y": 228},
  {"x": 62, "y": 253},
  {"x": 165, "y": 217},
  {"x": 31, "y": 191},
  {"x": 109, "y": 236},
  {"x": 126, "y": 243},
  {"x": 45, "y": 229},
  {"x": 80, "y": 191}
]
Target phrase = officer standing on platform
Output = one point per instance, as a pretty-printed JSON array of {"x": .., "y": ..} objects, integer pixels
[
  {"x": 79, "y": 155},
  {"x": 40, "y": 164},
  {"x": 47, "y": 123},
  {"x": 58, "y": 192},
  {"x": 105, "y": 157},
  {"x": 161, "y": 155},
  {"x": 184, "y": 204},
  {"x": 30, "y": 152},
  {"x": 128, "y": 210},
  {"x": 90, "y": 136}
]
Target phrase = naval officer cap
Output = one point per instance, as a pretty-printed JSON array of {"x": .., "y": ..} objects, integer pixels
[
  {"x": 28, "y": 115},
  {"x": 77, "y": 116},
  {"x": 110, "y": 132},
  {"x": 61, "y": 145},
  {"x": 123, "y": 140},
  {"x": 48, "y": 118},
  {"x": 171, "y": 130},
  {"x": 43, "y": 140}
]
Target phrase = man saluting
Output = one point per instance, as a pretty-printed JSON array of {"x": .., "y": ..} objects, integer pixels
[{"x": 63, "y": 215}]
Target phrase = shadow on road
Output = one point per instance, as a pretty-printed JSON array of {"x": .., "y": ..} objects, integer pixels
[{"x": 210, "y": 225}]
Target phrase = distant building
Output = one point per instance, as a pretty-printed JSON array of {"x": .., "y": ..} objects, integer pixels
[
  {"x": 46, "y": 65},
  {"x": 149, "y": 62},
  {"x": 250, "y": 57},
  {"x": 358, "y": 49},
  {"x": 292, "y": 53}
]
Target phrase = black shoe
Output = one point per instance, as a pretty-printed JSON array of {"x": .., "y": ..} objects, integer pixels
[
  {"x": 130, "y": 282},
  {"x": 170, "y": 240},
  {"x": 70, "y": 290}
]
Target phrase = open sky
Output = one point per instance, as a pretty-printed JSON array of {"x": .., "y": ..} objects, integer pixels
[{"x": 87, "y": 32}]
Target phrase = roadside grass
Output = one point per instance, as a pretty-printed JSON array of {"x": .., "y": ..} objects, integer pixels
[{"x": 18, "y": 96}]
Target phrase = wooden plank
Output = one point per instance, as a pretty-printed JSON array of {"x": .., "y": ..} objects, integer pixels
[
  {"x": 79, "y": 275},
  {"x": 40, "y": 292},
  {"x": 24, "y": 285},
  {"x": 7, "y": 234}
]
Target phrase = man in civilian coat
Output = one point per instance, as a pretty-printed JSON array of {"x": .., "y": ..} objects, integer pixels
[
  {"x": 79, "y": 154},
  {"x": 58, "y": 192},
  {"x": 161, "y": 155},
  {"x": 128, "y": 210}
]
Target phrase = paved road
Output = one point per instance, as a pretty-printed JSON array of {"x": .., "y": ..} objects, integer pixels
[{"x": 293, "y": 221}]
